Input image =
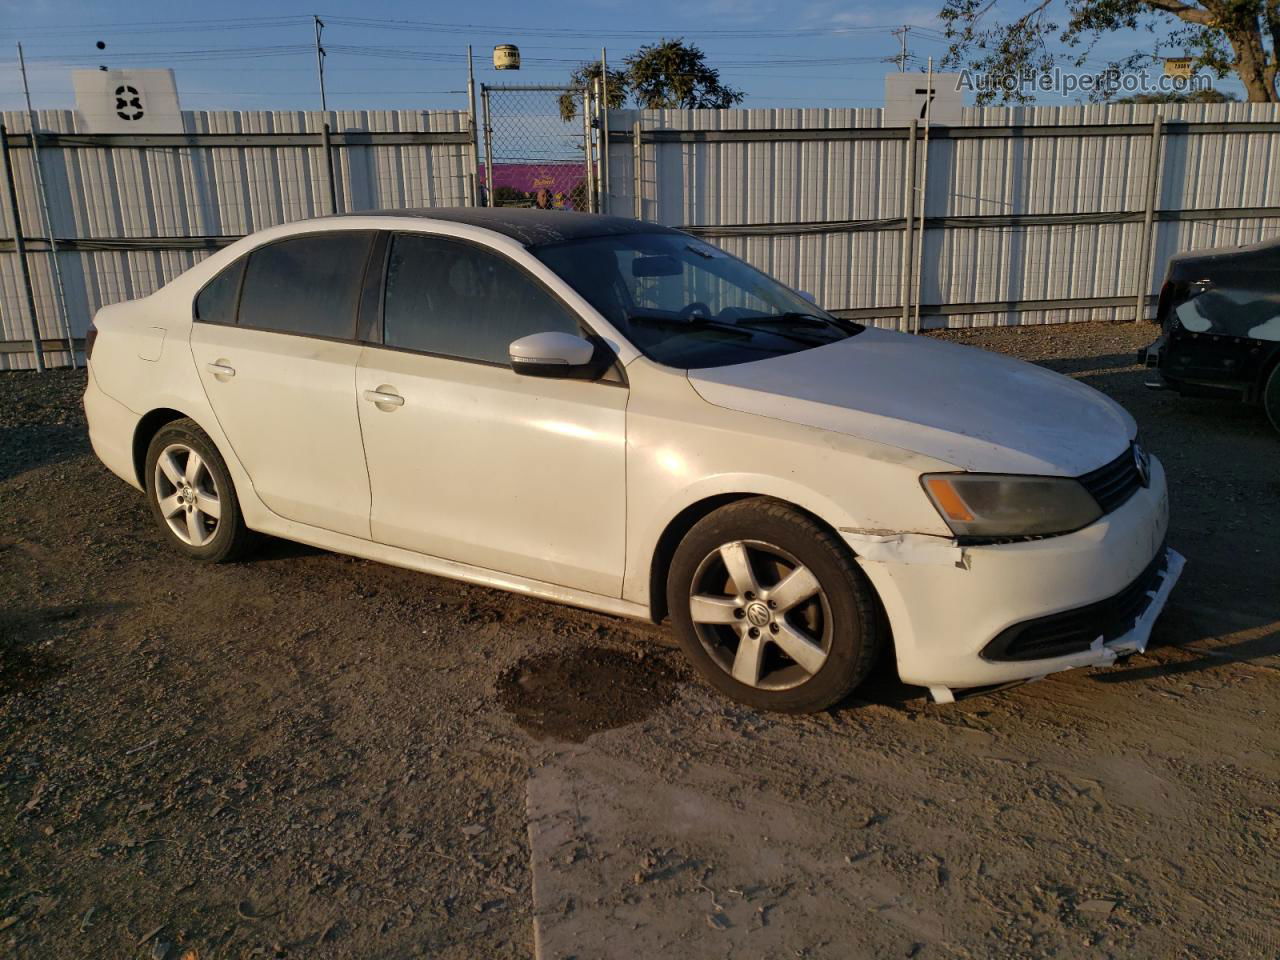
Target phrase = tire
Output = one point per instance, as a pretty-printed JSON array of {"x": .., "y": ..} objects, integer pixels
[
  {"x": 806, "y": 654},
  {"x": 194, "y": 502},
  {"x": 1271, "y": 397}
]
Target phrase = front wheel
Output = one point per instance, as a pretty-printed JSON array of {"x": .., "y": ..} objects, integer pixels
[{"x": 772, "y": 609}]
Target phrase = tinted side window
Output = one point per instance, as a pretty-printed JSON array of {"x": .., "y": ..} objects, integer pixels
[
  {"x": 308, "y": 285},
  {"x": 216, "y": 303},
  {"x": 459, "y": 300}
]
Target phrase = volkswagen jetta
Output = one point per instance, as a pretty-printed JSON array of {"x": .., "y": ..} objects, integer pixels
[{"x": 620, "y": 416}]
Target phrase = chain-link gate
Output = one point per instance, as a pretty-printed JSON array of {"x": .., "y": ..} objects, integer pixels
[{"x": 541, "y": 147}]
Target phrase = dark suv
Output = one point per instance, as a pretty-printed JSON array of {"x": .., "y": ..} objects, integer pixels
[{"x": 1219, "y": 315}]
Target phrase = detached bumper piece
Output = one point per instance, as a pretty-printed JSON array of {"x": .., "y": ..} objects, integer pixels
[{"x": 1095, "y": 626}]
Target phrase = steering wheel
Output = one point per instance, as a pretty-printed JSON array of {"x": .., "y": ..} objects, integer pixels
[{"x": 695, "y": 309}]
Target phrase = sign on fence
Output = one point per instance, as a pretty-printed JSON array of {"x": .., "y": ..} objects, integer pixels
[
  {"x": 908, "y": 96},
  {"x": 127, "y": 101}
]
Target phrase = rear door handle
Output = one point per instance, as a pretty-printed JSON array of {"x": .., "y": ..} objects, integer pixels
[
  {"x": 384, "y": 398},
  {"x": 221, "y": 369}
]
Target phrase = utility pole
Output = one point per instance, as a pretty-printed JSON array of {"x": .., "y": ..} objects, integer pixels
[
  {"x": 325, "y": 143},
  {"x": 902, "y": 56},
  {"x": 320, "y": 61}
]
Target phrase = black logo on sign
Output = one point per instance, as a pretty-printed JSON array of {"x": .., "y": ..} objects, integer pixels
[{"x": 128, "y": 103}]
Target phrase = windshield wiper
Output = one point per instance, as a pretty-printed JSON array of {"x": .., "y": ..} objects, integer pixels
[
  {"x": 808, "y": 319},
  {"x": 699, "y": 322}
]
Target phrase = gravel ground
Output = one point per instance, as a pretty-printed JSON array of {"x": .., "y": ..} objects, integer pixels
[{"x": 307, "y": 755}]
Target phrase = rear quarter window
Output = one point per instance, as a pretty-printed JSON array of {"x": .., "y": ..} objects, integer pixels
[{"x": 216, "y": 303}]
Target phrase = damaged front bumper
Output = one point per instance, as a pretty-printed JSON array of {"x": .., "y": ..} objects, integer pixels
[
  {"x": 1101, "y": 652},
  {"x": 948, "y": 604}
]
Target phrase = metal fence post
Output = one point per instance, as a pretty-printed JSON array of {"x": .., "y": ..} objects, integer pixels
[
  {"x": 20, "y": 248},
  {"x": 908, "y": 217},
  {"x": 924, "y": 198},
  {"x": 1148, "y": 219},
  {"x": 589, "y": 177},
  {"x": 46, "y": 216},
  {"x": 637, "y": 178},
  {"x": 488, "y": 148},
  {"x": 604, "y": 130},
  {"x": 472, "y": 181},
  {"x": 328, "y": 167}
]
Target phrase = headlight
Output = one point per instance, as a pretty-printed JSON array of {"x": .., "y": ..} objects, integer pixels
[{"x": 994, "y": 505}]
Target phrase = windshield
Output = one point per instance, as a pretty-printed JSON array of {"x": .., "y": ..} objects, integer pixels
[{"x": 687, "y": 304}]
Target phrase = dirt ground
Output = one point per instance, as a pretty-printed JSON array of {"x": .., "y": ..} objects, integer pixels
[{"x": 306, "y": 755}]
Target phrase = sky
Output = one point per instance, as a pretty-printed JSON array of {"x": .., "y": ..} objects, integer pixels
[{"x": 393, "y": 54}]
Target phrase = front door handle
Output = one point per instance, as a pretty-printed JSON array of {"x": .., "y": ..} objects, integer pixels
[
  {"x": 384, "y": 398},
  {"x": 221, "y": 370}
]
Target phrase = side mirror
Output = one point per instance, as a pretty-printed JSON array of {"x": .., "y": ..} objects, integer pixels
[
  {"x": 553, "y": 354},
  {"x": 808, "y": 296}
]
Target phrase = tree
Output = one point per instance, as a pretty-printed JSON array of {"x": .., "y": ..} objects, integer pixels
[
  {"x": 585, "y": 76},
  {"x": 1221, "y": 36},
  {"x": 672, "y": 74},
  {"x": 666, "y": 74},
  {"x": 1196, "y": 96}
]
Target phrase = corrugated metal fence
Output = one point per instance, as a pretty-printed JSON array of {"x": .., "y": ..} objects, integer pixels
[
  {"x": 1032, "y": 215},
  {"x": 131, "y": 213}
]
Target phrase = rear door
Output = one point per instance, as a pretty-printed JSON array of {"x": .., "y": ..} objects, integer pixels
[
  {"x": 276, "y": 354},
  {"x": 470, "y": 461}
]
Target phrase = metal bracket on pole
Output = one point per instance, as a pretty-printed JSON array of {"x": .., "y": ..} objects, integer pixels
[
  {"x": 908, "y": 218},
  {"x": 1148, "y": 217},
  {"x": 20, "y": 248}
]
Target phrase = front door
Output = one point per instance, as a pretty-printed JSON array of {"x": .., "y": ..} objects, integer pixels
[{"x": 469, "y": 461}]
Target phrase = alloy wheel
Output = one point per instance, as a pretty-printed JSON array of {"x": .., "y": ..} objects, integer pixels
[
  {"x": 761, "y": 615},
  {"x": 187, "y": 494}
]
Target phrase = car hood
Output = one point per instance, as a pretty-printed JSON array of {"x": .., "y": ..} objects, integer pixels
[{"x": 977, "y": 410}]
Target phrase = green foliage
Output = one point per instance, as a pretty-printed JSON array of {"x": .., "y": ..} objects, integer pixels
[
  {"x": 675, "y": 74},
  {"x": 669, "y": 73},
  {"x": 584, "y": 76},
  {"x": 1196, "y": 96},
  {"x": 1220, "y": 36}
]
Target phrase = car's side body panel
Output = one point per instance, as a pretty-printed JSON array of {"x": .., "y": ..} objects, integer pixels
[
  {"x": 289, "y": 412},
  {"x": 682, "y": 450},
  {"x": 545, "y": 457}
]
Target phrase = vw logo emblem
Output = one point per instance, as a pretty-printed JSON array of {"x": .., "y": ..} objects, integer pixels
[
  {"x": 758, "y": 614},
  {"x": 1142, "y": 463}
]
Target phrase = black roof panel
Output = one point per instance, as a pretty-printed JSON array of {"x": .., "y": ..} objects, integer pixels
[{"x": 529, "y": 226}]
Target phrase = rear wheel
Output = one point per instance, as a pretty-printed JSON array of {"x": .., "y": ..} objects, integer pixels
[
  {"x": 772, "y": 609},
  {"x": 192, "y": 496},
  {"x": 1271, "y": 397}
]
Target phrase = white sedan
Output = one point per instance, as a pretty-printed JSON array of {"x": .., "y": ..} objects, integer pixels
[{"x": 619, "y": 416}]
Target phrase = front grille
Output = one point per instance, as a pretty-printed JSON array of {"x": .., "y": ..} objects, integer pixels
[
  {"x": 1114, "y": 483},
  {"x": 1073, "y": 631}
]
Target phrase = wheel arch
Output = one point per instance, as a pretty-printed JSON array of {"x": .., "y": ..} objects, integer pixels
[
  {"x": 146, "y": 430},
  {"x": 684, "y": 521}
]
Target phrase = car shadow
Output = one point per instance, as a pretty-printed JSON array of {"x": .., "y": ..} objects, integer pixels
[
  {"x": 1256, "y": 642},
  {"x": 26, "y": 662},
  {"x": 31, "y": 446},
  {"x": 273, "y": 550}
]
